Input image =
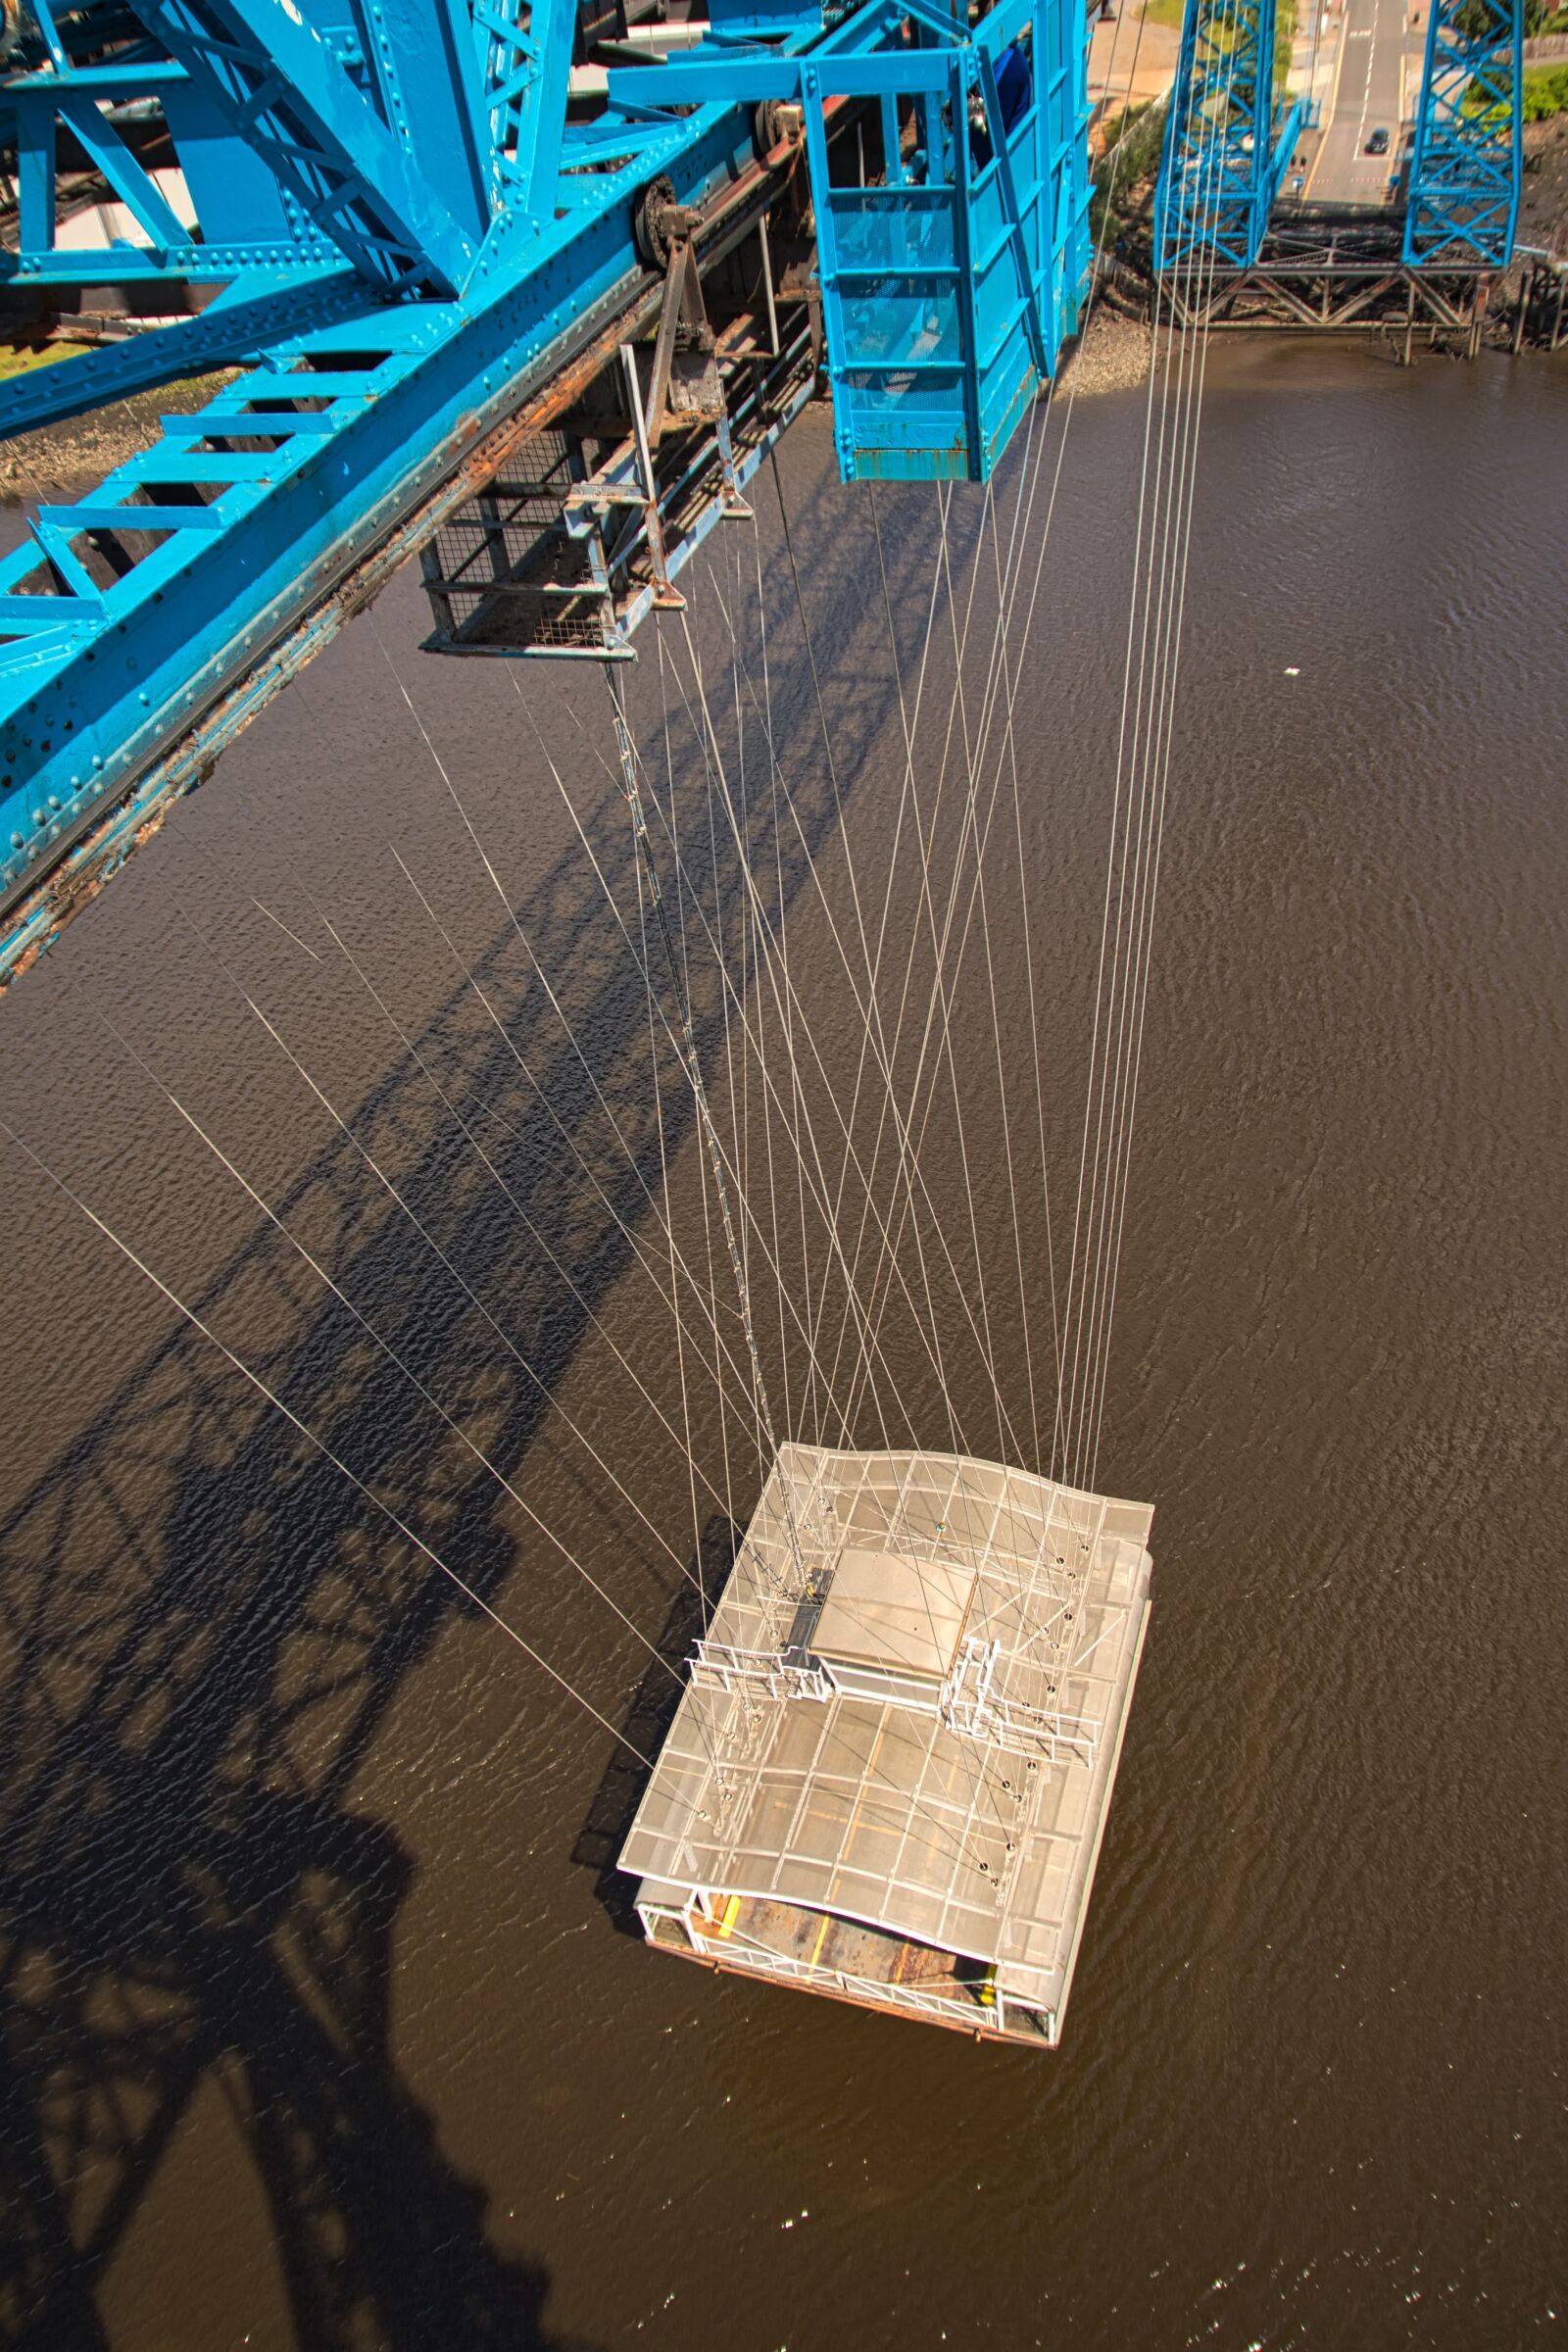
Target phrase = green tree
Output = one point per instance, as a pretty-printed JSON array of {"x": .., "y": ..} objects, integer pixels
[{"x": 1493, "y": 19}]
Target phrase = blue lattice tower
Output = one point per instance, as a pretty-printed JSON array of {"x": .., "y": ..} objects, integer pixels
[
  {"x": 1222, "y": 163},
  {"x": 1465, "y": 167}
]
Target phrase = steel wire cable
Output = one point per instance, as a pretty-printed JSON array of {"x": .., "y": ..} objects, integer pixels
[
  {"x": 1162, "y": 758},
  {"x": 1007, "y": 604},
  {"x": 821, "y": 1184},
  {"x": 886, "y": 1058},
  {"x": 869, "y": 1012},
  {"x": 741, "y": 672},
  {"x": 1156, "y": 759},
  {"x": 818, "y": 1182},
  {"x": 1150, "y": 721},
  {"x": 908, "y": 796}
]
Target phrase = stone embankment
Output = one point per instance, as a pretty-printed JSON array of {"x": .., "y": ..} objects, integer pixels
[
  {"x": 1543, "y": 193},
  {"x": 1111, "y": 354}
]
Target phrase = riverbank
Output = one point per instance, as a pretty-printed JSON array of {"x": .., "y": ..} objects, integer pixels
[
  {"x": 1110, "y": 356},
  {"x": 1544, "y": 190},
  {"x": 63, "y": 460}
]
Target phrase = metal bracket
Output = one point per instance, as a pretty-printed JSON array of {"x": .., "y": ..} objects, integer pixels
[
  {"x": 666, "y": 597},
  {"x": 684, "y": 387}
]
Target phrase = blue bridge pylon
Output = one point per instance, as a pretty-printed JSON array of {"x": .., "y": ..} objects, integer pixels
[
  {"x": 1465, "y": 169},
  {"x": 1228, "y": 146},
  {"x": 1224, "y": 157}
]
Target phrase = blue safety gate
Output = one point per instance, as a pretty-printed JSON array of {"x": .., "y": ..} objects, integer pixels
[
  {"x": 953, "y": 256},
  {"x": 948, "y": 284}
]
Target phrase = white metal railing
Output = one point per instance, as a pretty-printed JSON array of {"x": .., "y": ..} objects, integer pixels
[
  {"x": 755, "y": 1672},
  {"x": 746, "y": 1953},
  {"x": 966, "y": 1693},
  {"x": 971, "y": 1704},
  {"x": 968, "y": 1701},
  {"x": 1053, "y": 1737}
]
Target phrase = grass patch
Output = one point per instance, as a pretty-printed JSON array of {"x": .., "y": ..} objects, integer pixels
[
  {"x": 1171, "y": 13},
  {"x": 1545, "y": 92},
  {"x": 21, "y": 359}
]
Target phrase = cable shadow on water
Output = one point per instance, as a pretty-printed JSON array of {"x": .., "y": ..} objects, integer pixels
[{"x": 202, "y": 1626}]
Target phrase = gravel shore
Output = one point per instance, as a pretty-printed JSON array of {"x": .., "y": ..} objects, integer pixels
[
  {"x": 1112, "y": 355},
  {"x": 62, "y": 461}
]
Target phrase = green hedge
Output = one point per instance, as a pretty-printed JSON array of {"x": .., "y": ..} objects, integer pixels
[
  {"x": 1545, "y": 92},
  {"x": 1132, "y": 142}
]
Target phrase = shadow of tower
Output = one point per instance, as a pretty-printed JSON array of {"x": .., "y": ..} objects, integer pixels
[{"x": 202, "y": 1626}]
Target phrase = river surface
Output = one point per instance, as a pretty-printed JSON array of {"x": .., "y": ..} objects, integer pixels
[{"x": 324, "y": 2025}]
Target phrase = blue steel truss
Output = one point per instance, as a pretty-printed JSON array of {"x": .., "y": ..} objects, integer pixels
[
  {"x": 1465, "y": 167},
  {"x": 249, "y": 221},
  {"x": 391, "y": 219},
  {"x": 388, "y": 167},
  {"x": 1223, "y": 162}
]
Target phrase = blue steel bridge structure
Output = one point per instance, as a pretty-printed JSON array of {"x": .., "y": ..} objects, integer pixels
[
  {"x": 1230, "y": 252},
  {"x": 532, "y": 287}
]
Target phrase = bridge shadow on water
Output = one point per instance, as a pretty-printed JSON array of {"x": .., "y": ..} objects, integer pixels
[
  {"x": 647, "y": 1720},
  {"x": 202, "y": 1626}
]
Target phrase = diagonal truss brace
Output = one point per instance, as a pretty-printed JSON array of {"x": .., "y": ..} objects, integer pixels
[
  {"x": 1465, "y": 169},
  {"x": 1223, "y": 161},
  {"x": 279, "y": 86}
]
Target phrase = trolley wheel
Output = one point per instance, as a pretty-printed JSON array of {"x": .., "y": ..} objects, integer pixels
[
  {"x": 770, "y": 126},
  {"x": 650, "y": 221},
  {"x": 776, "y": 123}
]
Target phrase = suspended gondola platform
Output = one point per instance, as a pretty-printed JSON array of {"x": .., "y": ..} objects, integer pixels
[{"x": 888, "y": 1776}]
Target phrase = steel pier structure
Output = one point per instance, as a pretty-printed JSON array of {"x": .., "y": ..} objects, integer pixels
[
  {"x": 529, "y": 288},
  {"x": 1230, "y": 252}
]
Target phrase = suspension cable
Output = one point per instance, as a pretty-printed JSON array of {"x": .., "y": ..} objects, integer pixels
[{"x": 705, "y": 1116}]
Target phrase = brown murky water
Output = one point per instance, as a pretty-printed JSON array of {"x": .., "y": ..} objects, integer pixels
[{"x": 324, "y": 2028}]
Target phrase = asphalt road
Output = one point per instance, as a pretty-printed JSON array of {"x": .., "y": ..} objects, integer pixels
[{"x": 1366, "y": 98}]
